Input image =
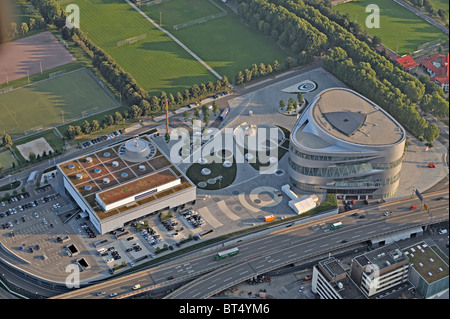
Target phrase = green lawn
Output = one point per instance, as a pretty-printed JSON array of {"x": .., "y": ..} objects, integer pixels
[
  {"x": 225, "y": 43},
  {"x": 157, "y": 63},
  {"x": 440, "y": 4},
  {"x": 6, "y": 159},
  {"x": 45, "y": 103},
  {"x": 398, "y": 26}
]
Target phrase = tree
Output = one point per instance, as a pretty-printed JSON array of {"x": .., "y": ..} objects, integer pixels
[
  {"x": 70, "y": 133},
  {"x": 31, "y": 157},
  {"x": 31, "y": 23},
  {"x": 118, "y": 117},
  {"x": 282, "y": 104},
  {"x": 7, "y": 141},
  {"x": 300, "y": 98},
  {"x": 86, "y": 127},
  {"x": 215, "y": 107},
  {"x": 186, "y": 115},
  {"x": 24, "y": 28},
  {"x": 12, "y": 29},
  {"x": 135, "y": 111},
  {"x": 239, "y": 78},
  {"x": 276, "y": 66},
  {"x": 95, "y": 126},
  {"x": 431, "y": 133},
  {"x": 376, "y": 40}
]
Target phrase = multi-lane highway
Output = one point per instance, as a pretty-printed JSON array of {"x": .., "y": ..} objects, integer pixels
[{"x": 272, "y": 251}]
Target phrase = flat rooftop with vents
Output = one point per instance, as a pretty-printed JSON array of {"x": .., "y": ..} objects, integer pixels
[{"x": 119, "y": 181}]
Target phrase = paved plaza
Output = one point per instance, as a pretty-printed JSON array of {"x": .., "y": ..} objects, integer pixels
[{"x": 241, "y": 205}]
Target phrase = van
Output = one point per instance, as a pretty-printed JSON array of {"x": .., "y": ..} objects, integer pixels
[{"x": 442, "y": 231}]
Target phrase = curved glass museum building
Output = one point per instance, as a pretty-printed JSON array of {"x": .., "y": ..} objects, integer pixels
[{"x": 345, "y": 144}]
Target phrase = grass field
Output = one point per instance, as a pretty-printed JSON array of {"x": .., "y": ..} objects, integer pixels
[
  {"x": 6, "y": 159},
  {"x": 398, "y": 26},
  {"x": 225, "y": 43},
  {"x": 159, "y": 64},
  {"x": 45, "y": 103}
]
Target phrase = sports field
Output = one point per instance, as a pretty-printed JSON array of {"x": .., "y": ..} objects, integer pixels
[
  {"x": 159, "y": 64},
  {"x": 398, "y": 26},
  {"x": 224, "y": 43},
  {"x": 45, "y": 104}
]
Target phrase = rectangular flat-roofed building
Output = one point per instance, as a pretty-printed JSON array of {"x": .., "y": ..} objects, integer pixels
[
  {"x": 330, "y": 281},
  {"x": 380, "y": 269},
  {"x": 124, "y": 182}
]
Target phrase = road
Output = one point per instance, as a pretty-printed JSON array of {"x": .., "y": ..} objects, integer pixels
[{"x": 269, "y": 252}]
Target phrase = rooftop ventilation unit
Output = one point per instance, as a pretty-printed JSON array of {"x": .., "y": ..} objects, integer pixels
[
  {"x": 105, "y": 180},
  {"x": 88, "y": 159}
]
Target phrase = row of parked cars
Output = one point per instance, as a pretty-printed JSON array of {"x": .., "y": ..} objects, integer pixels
[
  {"x": 14, "y": 199},
  {"x": 100, "y": 139},
  {"x": 194, "y": 218},
  {"x": 88, "y": 230},
  {"x": 151, "y": 236}
]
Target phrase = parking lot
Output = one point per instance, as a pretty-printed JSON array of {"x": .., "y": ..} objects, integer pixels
[
  {"x": 142, "y": 240},
  {"x": 94, "y": 141}
]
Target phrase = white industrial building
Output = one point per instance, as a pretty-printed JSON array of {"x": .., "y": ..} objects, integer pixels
[{"x": 125, "y": 182}]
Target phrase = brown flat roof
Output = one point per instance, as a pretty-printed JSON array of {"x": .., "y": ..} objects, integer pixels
[{"x": 137, "y": 186}]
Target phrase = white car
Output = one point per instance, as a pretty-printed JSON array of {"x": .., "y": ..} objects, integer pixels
[
  {"x": 45, "y": 222},
  {"x": 109, "y": 260}
]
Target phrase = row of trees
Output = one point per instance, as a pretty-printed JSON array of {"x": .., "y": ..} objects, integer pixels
[
  {"x": 366, "y": 71},
  {"x": 25, "y": 27},
  {"x": 361, "y": 76},
  {"x": 283, "y": 26},
  {"x": 141, "y": 103},
  {"x": 256, "y": 71}
]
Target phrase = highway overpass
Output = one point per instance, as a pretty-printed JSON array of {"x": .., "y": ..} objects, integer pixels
[{"x": 290, "y": 245}]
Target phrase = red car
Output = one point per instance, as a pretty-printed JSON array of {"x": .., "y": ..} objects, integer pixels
[
  {"x": 431, "y": 165},
  {"x": 413, "y": 207}
]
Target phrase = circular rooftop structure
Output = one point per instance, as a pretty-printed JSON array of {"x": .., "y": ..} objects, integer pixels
[{"x": 137, "y": 150}]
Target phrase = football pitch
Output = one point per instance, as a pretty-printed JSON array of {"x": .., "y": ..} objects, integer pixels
[
  {"x": 399, "y": 27},
  {"x": 155, "y": 61},
  {"x": 47, "y": 103}
]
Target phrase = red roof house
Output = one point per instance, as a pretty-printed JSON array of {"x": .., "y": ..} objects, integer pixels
[
  {"x": 407, "y": 62},
  {"x": 438, "y": 69}
]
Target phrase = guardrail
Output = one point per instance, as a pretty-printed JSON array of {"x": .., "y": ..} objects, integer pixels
[{"x": 315, "y": 254}]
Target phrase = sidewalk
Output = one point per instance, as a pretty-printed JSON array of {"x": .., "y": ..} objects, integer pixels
[{"x": 415, "y": 173}]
